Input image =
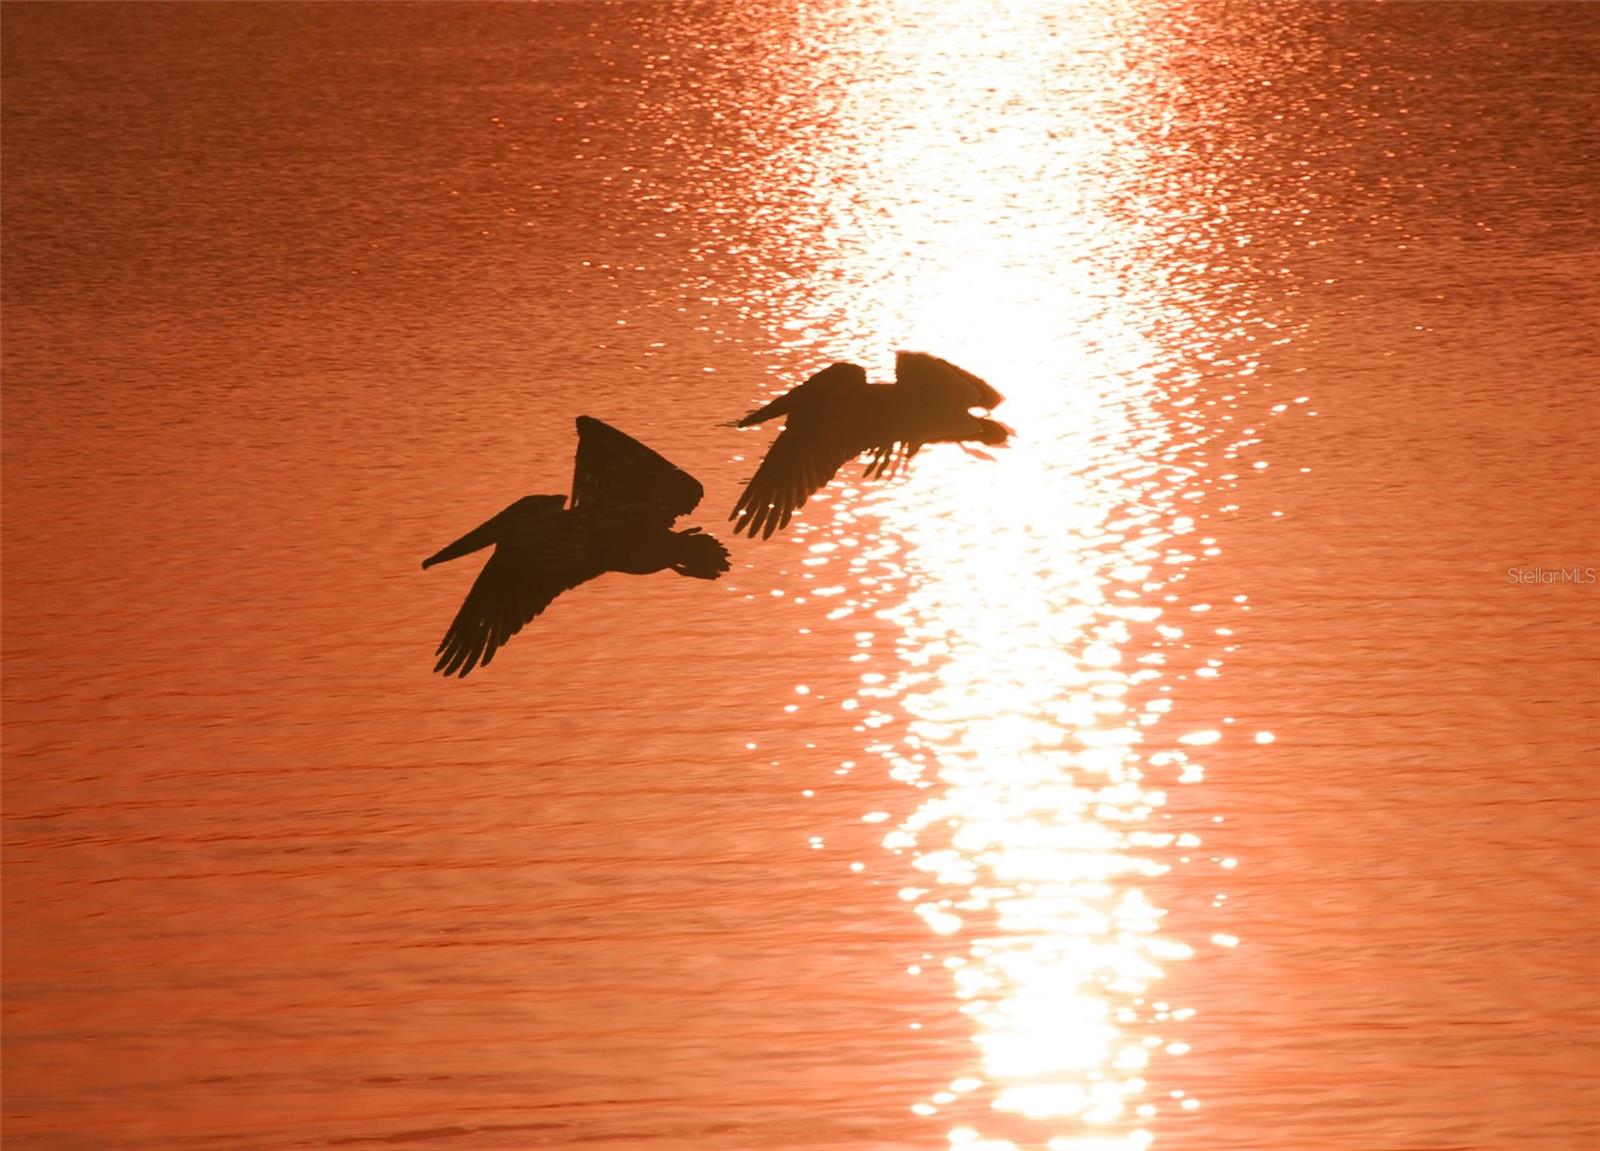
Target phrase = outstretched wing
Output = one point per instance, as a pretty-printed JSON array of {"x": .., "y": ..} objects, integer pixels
[
  {"x": 940, "y": 382},
  {"x": 536, "y": 558},
  {"x": 824, "y": 430},
  {"x": 619, "y": 477},
  {"x": 829, "y": 391}
]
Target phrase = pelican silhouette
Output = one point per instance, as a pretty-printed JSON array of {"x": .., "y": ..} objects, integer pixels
[
  {"x": 625, "y": 499},
  {"x": 836, "y": 415}
]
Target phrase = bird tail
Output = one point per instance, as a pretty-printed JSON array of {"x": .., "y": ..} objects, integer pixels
[{"x": 699, "y": 555}]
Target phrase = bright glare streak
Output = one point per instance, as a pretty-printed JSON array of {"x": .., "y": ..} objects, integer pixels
[{"x": 1032, "y": 603}]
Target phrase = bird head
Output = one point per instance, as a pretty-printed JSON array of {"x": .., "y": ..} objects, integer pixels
[{"x": 990, "y": 431}]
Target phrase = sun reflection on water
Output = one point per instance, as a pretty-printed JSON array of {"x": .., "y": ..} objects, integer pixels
[
  {"x": 1027, "y": 602},
  {"x": 1032, "y": 604},
  {"x": 1019, "y": 641}
]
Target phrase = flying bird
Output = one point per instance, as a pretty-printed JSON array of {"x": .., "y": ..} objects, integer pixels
[
  {"x": 836, "y": 416},
  {"x": 625, "y": 499}
]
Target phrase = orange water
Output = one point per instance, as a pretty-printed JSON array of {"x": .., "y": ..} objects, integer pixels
[{"x": 1214, "y": 769}]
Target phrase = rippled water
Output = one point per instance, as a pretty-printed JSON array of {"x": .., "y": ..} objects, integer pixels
[{"x": 1214, "y": 768}]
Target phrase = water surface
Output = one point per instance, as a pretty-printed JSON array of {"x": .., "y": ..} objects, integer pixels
[{"x": 1214, "y": 768}]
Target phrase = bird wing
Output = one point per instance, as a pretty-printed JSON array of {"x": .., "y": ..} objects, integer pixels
[
  {"x": 830, "y": 390},
  {"x": 536, "y": 558},
  {"x": 823, "y": 431},
  {"x": 618, "y": 477},
  {"x": 524, "y": 516},
  {"x": 939, "y": 381}
]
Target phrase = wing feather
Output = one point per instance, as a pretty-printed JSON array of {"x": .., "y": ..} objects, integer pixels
[
  {"x": 932, "y": 377},
  {"x": 798, "y": 464},
  {"x": 617, "y": 476},
  {"x": 832, "y": 388},
  {"x": 822, "y": 432},
  {"x": 527, "y": 571}
]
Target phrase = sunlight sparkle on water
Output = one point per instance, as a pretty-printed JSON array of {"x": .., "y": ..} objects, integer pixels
[
  {"x": 1037, "y": 828},
  {"x": 1033, "y": 604}
]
